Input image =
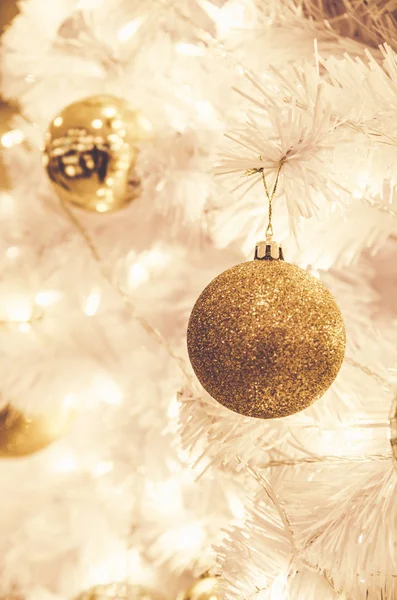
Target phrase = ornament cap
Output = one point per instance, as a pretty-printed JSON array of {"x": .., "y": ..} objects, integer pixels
[{"x": 268, "y": 250}]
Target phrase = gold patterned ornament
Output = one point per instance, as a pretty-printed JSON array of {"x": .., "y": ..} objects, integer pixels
[
  {"x": 266, "y": 338},
  {"x": 91, "y": 150},
  {"x": 119, "y": 590},
  {"x": 22, "y": 435},
  {"x": 205, "y": 588}
]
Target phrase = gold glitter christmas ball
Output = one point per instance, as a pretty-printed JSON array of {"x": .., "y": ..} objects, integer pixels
[
  {"x": 90, "y": 151},
  {"x": 266, "y": 339},
  {"x": 205, "y": 588},
  {"x": 119, "y": 590}
]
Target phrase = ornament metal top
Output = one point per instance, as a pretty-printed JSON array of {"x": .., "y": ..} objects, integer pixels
[
  {"x": 266, "y": 338},
  {"x": 90, "y": 151}
]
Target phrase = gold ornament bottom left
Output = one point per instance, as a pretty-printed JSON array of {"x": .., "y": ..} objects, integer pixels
[
  {"x": 119, "y": 591},
  {"x": 22, "y": 435}
]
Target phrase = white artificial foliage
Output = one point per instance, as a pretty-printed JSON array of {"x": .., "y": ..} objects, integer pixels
[
  {"x": 154, "y": 482},
  {"x": 263, "y": 570}
]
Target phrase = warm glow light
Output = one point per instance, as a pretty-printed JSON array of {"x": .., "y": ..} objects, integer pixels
[
  {"x": 12, "y": 138},
  {"x": 57, "y": 122},
  {"x": 102, "y": 468},
  {"x": 179, "y": 123},
  {"x": 211, "y": 9},
  {"x": 138, "y": 274},
  {"x": 278, "y": 588},
  {"x": 101, "y": 206},
  {"x": 92, "y": 303},
  {"x": 114, "y": 138},
  {"x": 109, "y": 111},
  {"x": 165, "y": 495},
  {"x": 189, "y": 536},
  {"x": 135, "y": 566},
  {"x": 129, "y": 29},
  {"x": 12, "y": 252},
  {"x": 24, "y": 327},
  {"x": 229, "y": 18},
  {"x": 6, "y": 203},
  {"x": 105, "y": 389},
  {"x": 97, "y": 123},
  {"x": 233, "y": 15},
  {"x": 65, "y": 462},
  {"x": 70, "y": 401},
  {"x": 206, "y": 589},
  {"x": 315, "y": 273},
  {"x": 119, "y": 565},
  {"x": 236, "y": 506},
  {"x": 361, "y": 186},
  {"x": 47, "y": 298},
  {"x": 117, "y": 124},
  {"x": 205, "y": 109},
  {"x": 189, "y": 49},
  {"x": 155, "y": 257},
  {"x": 174, "y": 408},
  {"x": 144, "y": 123},
  {"x": 112, "y": 568},
  {"x": 89, "y": 4},
  {"x": 15, "y": 307}
]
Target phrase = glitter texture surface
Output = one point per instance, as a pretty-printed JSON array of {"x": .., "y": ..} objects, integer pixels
[{"x": 266, "y": 339}]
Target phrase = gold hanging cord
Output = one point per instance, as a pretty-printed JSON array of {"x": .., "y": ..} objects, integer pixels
[{"x": 269, "y": 195}]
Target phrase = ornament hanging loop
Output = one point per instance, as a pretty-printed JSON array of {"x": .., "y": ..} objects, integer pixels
[
  {"x": 268, "y": 250},
  {"x": 270, "y": 196}
]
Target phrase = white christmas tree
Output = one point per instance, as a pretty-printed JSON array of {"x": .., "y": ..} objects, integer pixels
[{"x": 115, "y": 465}]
